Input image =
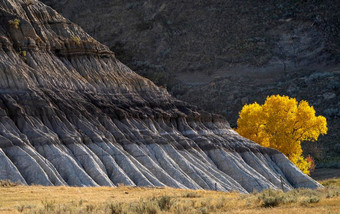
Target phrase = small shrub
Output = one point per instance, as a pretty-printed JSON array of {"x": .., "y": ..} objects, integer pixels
[
  {"x": 147, "y": 207},
  {"x": 289, "y": 198},
  {"x": 63, "y": 209},
  {"x": 191, "y": 195},
  {"x": 114, "y": 208},
  {"x": 314, "y": 199},
  {"x": 8, "y": 183},
  {"x": 28, "y": 2},
  {"x": 76, "y": 39},
  {"x": 14, "y": 23},
  {"x": 38, "y": 40},
  {"x": 23, "y": 54},
  {"x": 204, "y": 210},
  {"x": 151, "y": 209},
  {"x": 271, "y": 198},
  {"x": 332, "y": 193},
  {"x": 81, "y": 201},
  {"x": 307, "y": 192},
  {"x": 164, "y": 203},
  {"x": 331, "y": 183},
  {"x": 90, "y": 208},
  {"x": 309, "y": 200},
  {"x": 91, "y": 40},
  {"x": 48, "y": 205},
  {"x": 271, "y": 201},
  {"x": 221, "y": 202},
  {"x": 21, "y": 208}
]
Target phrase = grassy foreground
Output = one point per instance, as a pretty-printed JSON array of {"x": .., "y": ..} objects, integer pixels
[{"x": 123, "y": 199}]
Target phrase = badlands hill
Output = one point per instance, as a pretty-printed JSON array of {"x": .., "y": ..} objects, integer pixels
[
  {"x": 72, "y": 114},
  {"x": 222, "y": 54}
]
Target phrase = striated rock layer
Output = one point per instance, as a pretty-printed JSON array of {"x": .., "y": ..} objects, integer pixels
[
  {"x": 228, "y": 53},
  {"x": 72, "y": 114}
]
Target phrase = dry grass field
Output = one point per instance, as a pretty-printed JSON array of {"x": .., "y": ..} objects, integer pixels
[{"x": 124, "y": 199}]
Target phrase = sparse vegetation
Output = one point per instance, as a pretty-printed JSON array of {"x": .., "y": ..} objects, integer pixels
[
  {"x": 48, "y": 205},
  {"x": 164, "y": 202},
  {"x": 38, "y": 40},
  {"x": 331, "y": 183},
  {"x": 274, "y": 198},
  {"x": 14, "y": 23},
  {"x": 23, "y": 54},
  {"x": 40, "y": 199},
  {"x": 8, "y": 183},
  {"x": 28, "y": 2},
  {"x": 91, "y": 40},
  {"x": 114, "y": 208},
  {"x": 76, "y": 39}
]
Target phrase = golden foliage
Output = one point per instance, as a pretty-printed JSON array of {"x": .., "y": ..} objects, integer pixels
[
  {"x": 282, "y": 123},
  {"x": 14, "y": 23},
  {"x": 76, "y": 39}
]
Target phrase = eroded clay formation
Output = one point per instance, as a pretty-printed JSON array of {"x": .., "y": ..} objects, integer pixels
[{"x": 72, "y": 114}]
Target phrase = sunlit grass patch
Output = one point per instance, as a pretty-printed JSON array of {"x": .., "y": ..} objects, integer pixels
[
  {"x": 127, "y": 199},
  {"x": 334, "y": 182}
]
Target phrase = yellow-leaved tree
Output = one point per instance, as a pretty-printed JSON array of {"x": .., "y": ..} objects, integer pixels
[{"x": 282, "y": 123}]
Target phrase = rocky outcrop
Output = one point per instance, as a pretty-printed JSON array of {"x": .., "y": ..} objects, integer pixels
[
  {"x": 72, "y": 114},
  {"x": 228, "y": 53}
]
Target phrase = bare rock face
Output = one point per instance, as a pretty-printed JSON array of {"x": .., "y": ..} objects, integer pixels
[{"x": 72, "y": 114}]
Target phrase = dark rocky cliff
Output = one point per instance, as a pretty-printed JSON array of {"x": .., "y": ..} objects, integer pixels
[
  {"x": 72, "y": 114},
  {"x": 222, "y": 54}
]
